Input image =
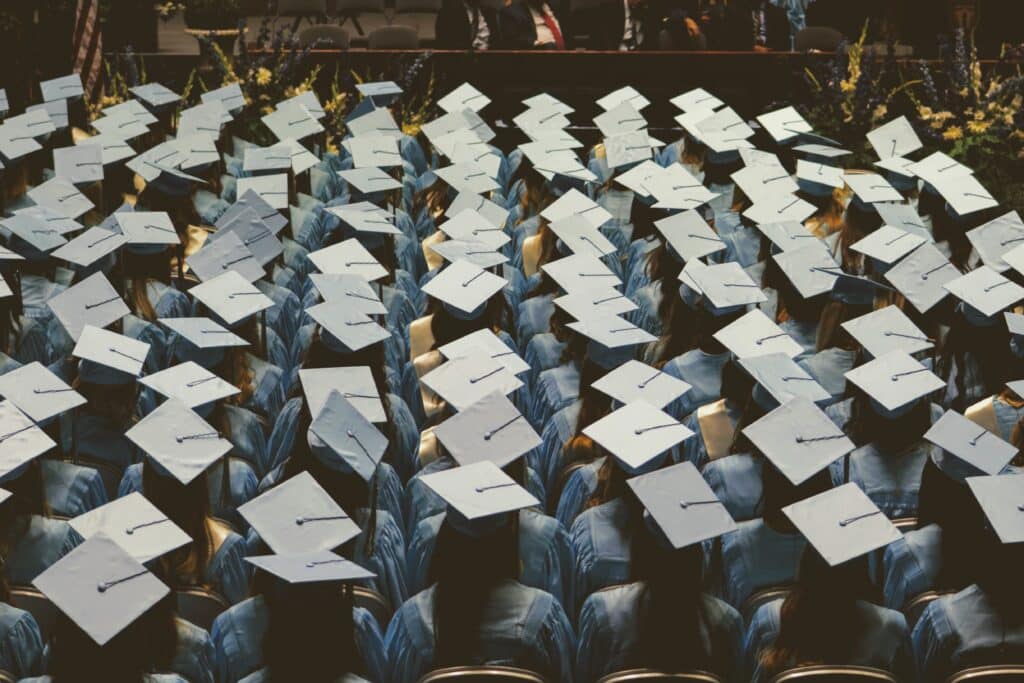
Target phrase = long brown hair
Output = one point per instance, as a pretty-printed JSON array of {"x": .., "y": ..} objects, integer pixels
[{"x": 140, "y": 270}]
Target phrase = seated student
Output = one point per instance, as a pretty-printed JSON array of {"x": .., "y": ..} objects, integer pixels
[
  {"x": 662, "y": 620},
  {"x": 301, "y": 625},
  {"x": 827, "y": 617},
  {"x": 476, "y": 612},
  {"x": 534, "y": 25},
  {"x": 21, "y": 338},
  {"x": 21, "y": 644},
  {"x": 983, "y": 623},
  {"x": 107, "y": 632}
]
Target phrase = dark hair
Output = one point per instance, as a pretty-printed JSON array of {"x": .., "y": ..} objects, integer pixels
[
  {"x": 10, "y": 315},
  {"x": 593, "y": 406},
  {"x": 865, "y": 425},
  {"x": 777, "y": 492},
  {"x": 445, "y": 327},
  {"x": 980, "y": 356},
  {"x": 28, "y": 498},
  {"x": 139, "y": 270}
]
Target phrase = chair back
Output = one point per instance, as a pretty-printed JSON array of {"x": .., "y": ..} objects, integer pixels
[
  {"x": 6, "y": 677},
  {"x": 761, "y": 597},
  {"x": 905, "y": 524},
  {"x": 917, "y": 604},
  {"x": 110, "y": 474},
  {"x": 351, "y": 7},
  {"x": 301, "y": 8},
  {"x": 998, "y": 673},
  {"x": 829, "y": 673},
  {"x": 482, "y": 674},
  {"x": 39, "y": 606},
  {"x": 326, "y": 36},
  {"x": 393, "y": 37},
  {"x": 426, "y": 6},
  {"x": 199, "y": 605},
  {"x": 822, "y": 38},
  {"x": 374, "y": 603},
  {"x": 652, "y": 676}
]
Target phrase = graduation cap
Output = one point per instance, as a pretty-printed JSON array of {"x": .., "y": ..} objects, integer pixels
[
  {"x": 382, "y": 93},
  {"x": 465, "y": 380},
  {"x": 316, "y": 567},
  {"x": 477, "y": 253},
  {"x": 682, "y": 504},
  {"x": 780, "y": 379},
  {"x": 225, "y": 254},
  {"x": 495, "y": 214},
  {"x": 80, "y": 164},
  {"x": 627, "y": 94},
  {"x": 108, "y": 357},
  {"x": 147, "y": 228},
  {"x": 871, "y": 188},
  {"x": 819, "y": 180},
  {"x": 155, "y": 94},
  {"x": 976, "y": 449},
  {"x": 344, "y": 440},
  {"x": 62, "y": 88},
  {"x": 894, "y": 381},
  {"x": 491, "y": 429},
  {"x": 231, "y": 297},
  {"x": 255, "y": 236},
  {"x": 352, "y": 290},
  {"x": 348, "y": 257},
  {"x": 374, "y": 151},
  {"x": 61, "y": 196},
  {"x": 39, "y": 393},
  {"x": 35, "y": 232},
  {"x": 811, "y": 270},
  {"x": 467, "y": 176},
  {"x": 298, "y": 516},
  {"x": 842, "y": 523},
  {"x": 101, "y": 587},
  {"x": 595, "y": 303},
  {"x": 346, "y": 330},
  {"x": 784, "y": 124},
  {"x": 190, "y": 383},
  {"x": 180, "y": 443},
  {"x": 637, "y": 434},
  {"x": 464, "y": 97},
  {"x": 355, "y": 384},
  {"x": 292, "y": 121},
  {"x": 230, "y": 96},
  {"x": 370, "y": 180},
  {"x": 894, "y": 139},
  {"x": 478, "y": 495},
  {"x": 251, "y": 200},
  {"x": 464, "y": 287},
  {"x": 91, "y": 246},
  {"x": 921, "y": 277},
  {"x": 888, "y": 244},
  {"x": 985, "y": 290},
  {"x": 486, "y": 343},
  {"x": 777, "y": 208},
  {"x": 135, "y": 524},
  {"x": 273, "y": 189},
  {"x": 997, "y": 237},
  {"x": 999, "y": 498},
  {"x": 575, "y": 203},
  {"x": 201, "y": 340},
  {"x": 581, "y": 272},
  {"x": 635, "y": 381},
  {"x": 755, "y": 334},
  {"x": 93, "y": 301},
  {"x": 21, "y": 441},
  {"x": 799, "y": 439},
  {"x": 470, "y": 225},
  {"x": 577, "y": 234},
  {"x": 726, "y": 286},
  {"x": 611, "y": 331},
  {"x": 689, "y": 235},
  {"x": 696, "y": 99},
  {"x": 261, "y": 159},
  {"x": 887, "y": 329},
  {"x": 365, "y": 217}
]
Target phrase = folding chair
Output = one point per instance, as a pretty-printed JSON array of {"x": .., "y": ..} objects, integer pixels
[
  {"x": 835, "y": 674},
  {"x": 325, "y": 36},
  {"x": 393, "y": 37},
  {"x": 652, "y": 676},
  {"x": 351, "y": 9},
  {"x": 998, "y": 673},
  {"x": 482, "y": 674},
  {"x": 761, "y": 597},
  {"x": 302, "y": 9},
  {"x": 199, "y": 605},
  {"x": 373, "y": 602}
]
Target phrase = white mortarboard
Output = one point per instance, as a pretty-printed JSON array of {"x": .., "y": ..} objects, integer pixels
[
  {"x": 764, "y": 182},
  {"x": 576, "y": 203},
  {"x": 576, "y": 233},
  {"x": 887, "y": 329},
  {"x": 53, "y": 220},
  {"x": 782, "y": 378},
  {"x": 147, "y": 227},
  {"x": 135, "y": 524},
  {"x": 379, "y": 90},
  {"x": 111, "y": 350},
  {"x": 377, "y": 121},
  {"x": 352, "y": 328},
  {"x": 842, "y": 523},
  {"x": 637, "y": 433},
  {"x": 273, "y": 189},
  {"x": 756, "y": 157},
  {"x": 226, "y": 253},
  {"x": 611, "y": 331},
  {"x": 921, "y": 277},
  {"x": 62, "y": 88},
  {"x": 690, "y": 235},
  {"x": 34, "y": 230},
  {"x": 479, "y": 490},
  {"x": 811, "y": 270},
  {"x": 136, "y": 109},
  {"x": 308, "y": 99},
  {"x": 816, "y": 150},
  {"x": 299, "y": 516},
  {"x": 872, "y": 188},
  {"x": 197, "y": 151},
  {"x": 784, "y": 124},
  {"x": 318, "y": 567},
  {"x": 231, "y": 297},
  {"x": 696, "y": 99},
  {"x": 727, "y": 285},
  {"x": 275, "y": 158},
  {"x": 467, "y": 177},
  {"x": 17, "y": 141},
  {"x": 465, "y": 286},
  {"x": 780, "y": 207},
  {"x": 292, "y": 121},
  {"x": 625, "y": 94},
  {"x": 622, "y": 118},
  {"x": 93, "y": 301},
  {"x": 81, "y": 164},
  {"x": 355, "y": 384},
  {"x": 37, "y": 121},
  {"x": 595, "y": 302},
  {"x": 995, "y": 238},
  {"x": 985, "y": 290},
  {"x": 39, "y": 393},
  {"x": 788, "y": 235},
  {"x": 464, "y": 381},
  {"x": 464, "y": 97},
  {"x": 755, "y": 334},
  {"x": 894, "y": 139},
  {"x": 90, "y": 246},
  {"x": 352, "y": 290},
  {"x": 477, "y": 253},
  {"x": 302, "y": 158},
  {"x": 888, "y": 244},
  {"x": 897, "y": 165},
  {"x": 485, "y": 342},
  {"x": 370, "y": 180},
  {"x": 345, "y": 435},
  {"x": 251, "y": 200},
  {"x": 204, "y": 332},
  {"x": 230, "y": 96},
  {"x": 155, "y": 161},
  {"x": 820, "y": 174},
  {"x": 581, "y": 272},
  {"x": 636, "y": 381},
  {"x": 348, "y": 257},
  {"x": 492, "y": 429},
  {"x": 682, "y": 504},
  {"x": 676, "y": 194},
  {"x": 366, "y": 217},
  {"x": 5, "y": 106},
  {"x": 470, "y": 225},
  {"x": 965, "y": 194},
  {"x": 623, "y": 149},
  {"x": 374, "y": 151},
  {"x": 121, "y": 125},
  {"x": 1000, "y": 499},
  {"x": 894, "y": 380},
  {"x": 21, "y": 442},
  {"x": 178, "y": 440},
  {"x": 548, "y": 100},
  {"x": 101, "y": 587},
  {"x": 970, "y": 442},
  {"x": 799, "y": 439},
  {"x": 254, "y": 234},
  {"x": 537, "y": 121},
  {"x": 155, "y": 94},
  {"x": 939, "y": 165},
  {"x": 190, "y": 383},
  {"x": 639, "y": 177},
  {"x": 495, "y": 214},
  {"x": 205, "y": 119},
  {"x": 61, "y": 196}
]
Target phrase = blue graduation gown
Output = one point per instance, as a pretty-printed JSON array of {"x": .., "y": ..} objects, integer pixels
[
  {"x": 736, "y": 481},
  {"x": 911, "y": 565},
  {"x": 71, "y": 490},
  {"x": 702, "y": 371},
  {"x": 21, "y": 645},
  {"x": 601, "y": 540},
  {"x": 752, "y": 558},
  {"x": 44, "y": 542}
]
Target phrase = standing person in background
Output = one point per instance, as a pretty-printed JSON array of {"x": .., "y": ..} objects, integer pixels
[
  {"x": 535, "y": 25},
  {"x": 744, "y": 25},
  {"x": 466, "y": 25},
  {"x": 631, "y": 25}
]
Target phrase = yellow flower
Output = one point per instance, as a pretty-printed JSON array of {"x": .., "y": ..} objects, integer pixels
[
  {"x": 944, "y": 115},
  {"x": 847, "y": 86},
  {"x": 979, "y": 116},
  {"x": 978, "y": 127},
  {"x": 937, "y": 124},
  {"x": 925, "y": 112},
  {"x": 953, "y": 133},
  {"x": 263, "y": 76},
  {"x": 880, "y": 112}
]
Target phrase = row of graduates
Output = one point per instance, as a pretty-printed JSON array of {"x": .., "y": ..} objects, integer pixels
[{"x": 598, "y": 539}]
